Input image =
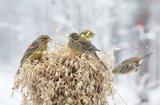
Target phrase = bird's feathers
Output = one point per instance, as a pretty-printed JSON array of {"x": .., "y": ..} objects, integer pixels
[
  {"x": 131, "y": 64},
  {"x": 34, "y": 45}
]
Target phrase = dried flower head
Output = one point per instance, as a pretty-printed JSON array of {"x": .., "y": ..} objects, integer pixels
[{"x": 62, "y": 78}]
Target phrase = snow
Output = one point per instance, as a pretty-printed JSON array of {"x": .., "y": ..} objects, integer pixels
[
  {"x": 6, "y": 80},
  {"x": 154, "y": 96}
]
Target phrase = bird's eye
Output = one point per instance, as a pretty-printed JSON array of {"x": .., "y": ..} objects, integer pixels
[
  {"x": 75, "y": 37},
  {"x": 45, "y": 38}
]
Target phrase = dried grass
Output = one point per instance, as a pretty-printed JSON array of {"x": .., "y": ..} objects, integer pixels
[{"x": 63, "y": 78}]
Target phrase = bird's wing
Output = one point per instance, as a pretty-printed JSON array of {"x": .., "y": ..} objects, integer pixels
[
  {"x": 88, "y": 46},
  {"x": 34, "y": 45},
  {"x": 125, "y": 61},
  {"x": 137, "y": 58},
  {"x": 132, "y": 59}
]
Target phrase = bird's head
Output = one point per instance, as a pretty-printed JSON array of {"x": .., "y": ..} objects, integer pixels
[
  {"x": 87, "y": 34},
  {"x": 44, "y": 39},
  {"x": 74, "y": 36}
]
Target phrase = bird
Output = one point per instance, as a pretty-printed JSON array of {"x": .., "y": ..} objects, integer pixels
[
  {"x": 87, "y": 34},
  {"x": 131, "y": 64},
  {"x": 36, "y": 49},
  {"x": 79, "y": 45}
]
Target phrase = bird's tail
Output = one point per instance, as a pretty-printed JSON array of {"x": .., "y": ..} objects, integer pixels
[
  {"x": 18, "y": 71},
  {"x": 96, "y": 55},
  {"x": 103, "y": 65},
  {"x": 147, "y": 55},
  {"x": 100, "y": 61}
]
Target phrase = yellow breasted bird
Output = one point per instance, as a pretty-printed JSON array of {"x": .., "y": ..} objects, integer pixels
[
  {"x": 87, "y": 34},
  {"x": 80, "y": 45},
  {"x": 131, "y": 64},
  {"x": 36, "y": 49}
]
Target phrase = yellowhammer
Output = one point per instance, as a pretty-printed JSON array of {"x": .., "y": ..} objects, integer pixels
[
  {"x": 131, "y": 64},
  {"x": 80, "y": 45},
  {"x": 36, "y": 49},
  {"x": 87, "y": 34}
]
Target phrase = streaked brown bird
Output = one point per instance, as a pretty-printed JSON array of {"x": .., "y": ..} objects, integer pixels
[
  {"x": 131, "y": 64},
  {"x": 36, "y": 49},
  {"x": 80, "y": 45}
]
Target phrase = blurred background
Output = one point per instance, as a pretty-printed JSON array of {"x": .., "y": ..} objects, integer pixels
[{"x": 132, "y": 25}]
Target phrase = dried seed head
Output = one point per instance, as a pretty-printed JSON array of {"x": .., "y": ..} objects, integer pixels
[{"x": 64, "y": 78}]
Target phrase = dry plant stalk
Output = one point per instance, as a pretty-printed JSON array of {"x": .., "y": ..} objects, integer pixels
[{"x": 62, "y": 78}]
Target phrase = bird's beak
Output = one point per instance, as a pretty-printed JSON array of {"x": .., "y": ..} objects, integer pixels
[
  {"x": 88, "y": 33},
  {"x": 69, "y": 36},
  {"x": 49, "y": 39},
  {"x": 93, "y": 34}
]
